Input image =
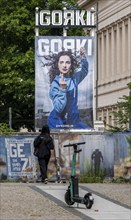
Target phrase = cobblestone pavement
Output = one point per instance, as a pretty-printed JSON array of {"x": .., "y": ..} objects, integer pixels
[{"x": 19, "y": 202}]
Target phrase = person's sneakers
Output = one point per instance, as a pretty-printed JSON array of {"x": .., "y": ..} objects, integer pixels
[{"x": 45, "y": 181}]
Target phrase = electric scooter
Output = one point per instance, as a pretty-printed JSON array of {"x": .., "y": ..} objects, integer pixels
[{"x": 72, "y": 193}]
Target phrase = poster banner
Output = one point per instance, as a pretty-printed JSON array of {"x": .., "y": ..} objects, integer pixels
[
  {"x": 64, "y": 68},
  {"x": 20, "y": 159}
]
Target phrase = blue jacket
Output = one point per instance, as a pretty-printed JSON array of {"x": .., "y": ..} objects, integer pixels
[{"x": 65, "y": 113}]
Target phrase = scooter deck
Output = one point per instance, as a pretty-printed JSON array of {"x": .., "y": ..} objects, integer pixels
[{"x": 78, "y": 199}]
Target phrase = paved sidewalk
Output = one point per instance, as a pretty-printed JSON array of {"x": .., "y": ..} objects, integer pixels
[
  {"x": 102, "y": 209},
  {"x": 37, "y": 201}
]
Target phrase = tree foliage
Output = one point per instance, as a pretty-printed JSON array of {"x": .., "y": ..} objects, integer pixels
[
  {"x": 5, "y": 130},
  {"x": 122, "y": 117},
  {"x": 17, "y": 70}
]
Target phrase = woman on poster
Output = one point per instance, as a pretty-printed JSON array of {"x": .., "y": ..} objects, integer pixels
[{"x": 64, "y": 80}]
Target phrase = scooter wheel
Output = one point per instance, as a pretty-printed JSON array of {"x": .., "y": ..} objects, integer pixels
[
  {"x": 68, "y": 198},
  {"x": 88, "y": 200}
]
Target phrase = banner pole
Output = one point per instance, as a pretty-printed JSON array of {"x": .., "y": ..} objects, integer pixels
[
  {"x": 36, "y": 21},
  {"x": 97, "y": 60},
  {"x": 64, "y": 29}
]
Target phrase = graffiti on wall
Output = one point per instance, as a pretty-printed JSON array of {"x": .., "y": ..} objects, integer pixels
[
  {"x": 16, "y": 154},
  {"x": 97, "y": 159},
  {"x": 19, "y": 156}
]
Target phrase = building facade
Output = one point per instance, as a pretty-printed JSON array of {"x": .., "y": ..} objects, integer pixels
[{"x": 113, "y": 54}]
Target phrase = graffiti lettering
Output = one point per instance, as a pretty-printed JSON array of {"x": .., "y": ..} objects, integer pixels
[{"x": 16, "y": 150}]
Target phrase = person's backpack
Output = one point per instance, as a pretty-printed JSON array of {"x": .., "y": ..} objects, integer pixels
[
  {"x": 50, "y": 145},
  {"x": 35, "y": 152},
  {"x": 37, "y": 142},
  {"x": 42, "y": 145}
]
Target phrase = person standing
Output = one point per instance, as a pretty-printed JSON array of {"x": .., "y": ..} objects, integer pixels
[{"x": 43, "y": 144}]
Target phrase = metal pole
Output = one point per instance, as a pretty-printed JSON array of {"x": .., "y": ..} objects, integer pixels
[
  {"x": 36, "y": 34},
  {"x": 97, "y": 60},
  {"x": 10, "y": 117},
  {"x": 36, "y": 21},
  {"x": 64, "y": 29}
]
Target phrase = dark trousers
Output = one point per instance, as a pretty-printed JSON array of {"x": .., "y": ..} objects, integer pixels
[{"x": 43, "y": 164}]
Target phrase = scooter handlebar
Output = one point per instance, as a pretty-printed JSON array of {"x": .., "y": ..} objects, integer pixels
[{"x": 74, "y": 144}]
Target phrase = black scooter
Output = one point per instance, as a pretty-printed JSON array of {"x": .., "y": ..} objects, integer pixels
[{"x": 72, "y": 193}]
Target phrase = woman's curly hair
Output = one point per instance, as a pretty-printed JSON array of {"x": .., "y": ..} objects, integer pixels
[{"x": 53, "y": 62}]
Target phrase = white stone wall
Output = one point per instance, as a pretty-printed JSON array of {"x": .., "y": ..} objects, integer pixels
[{"x": 114, "y": 54}]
